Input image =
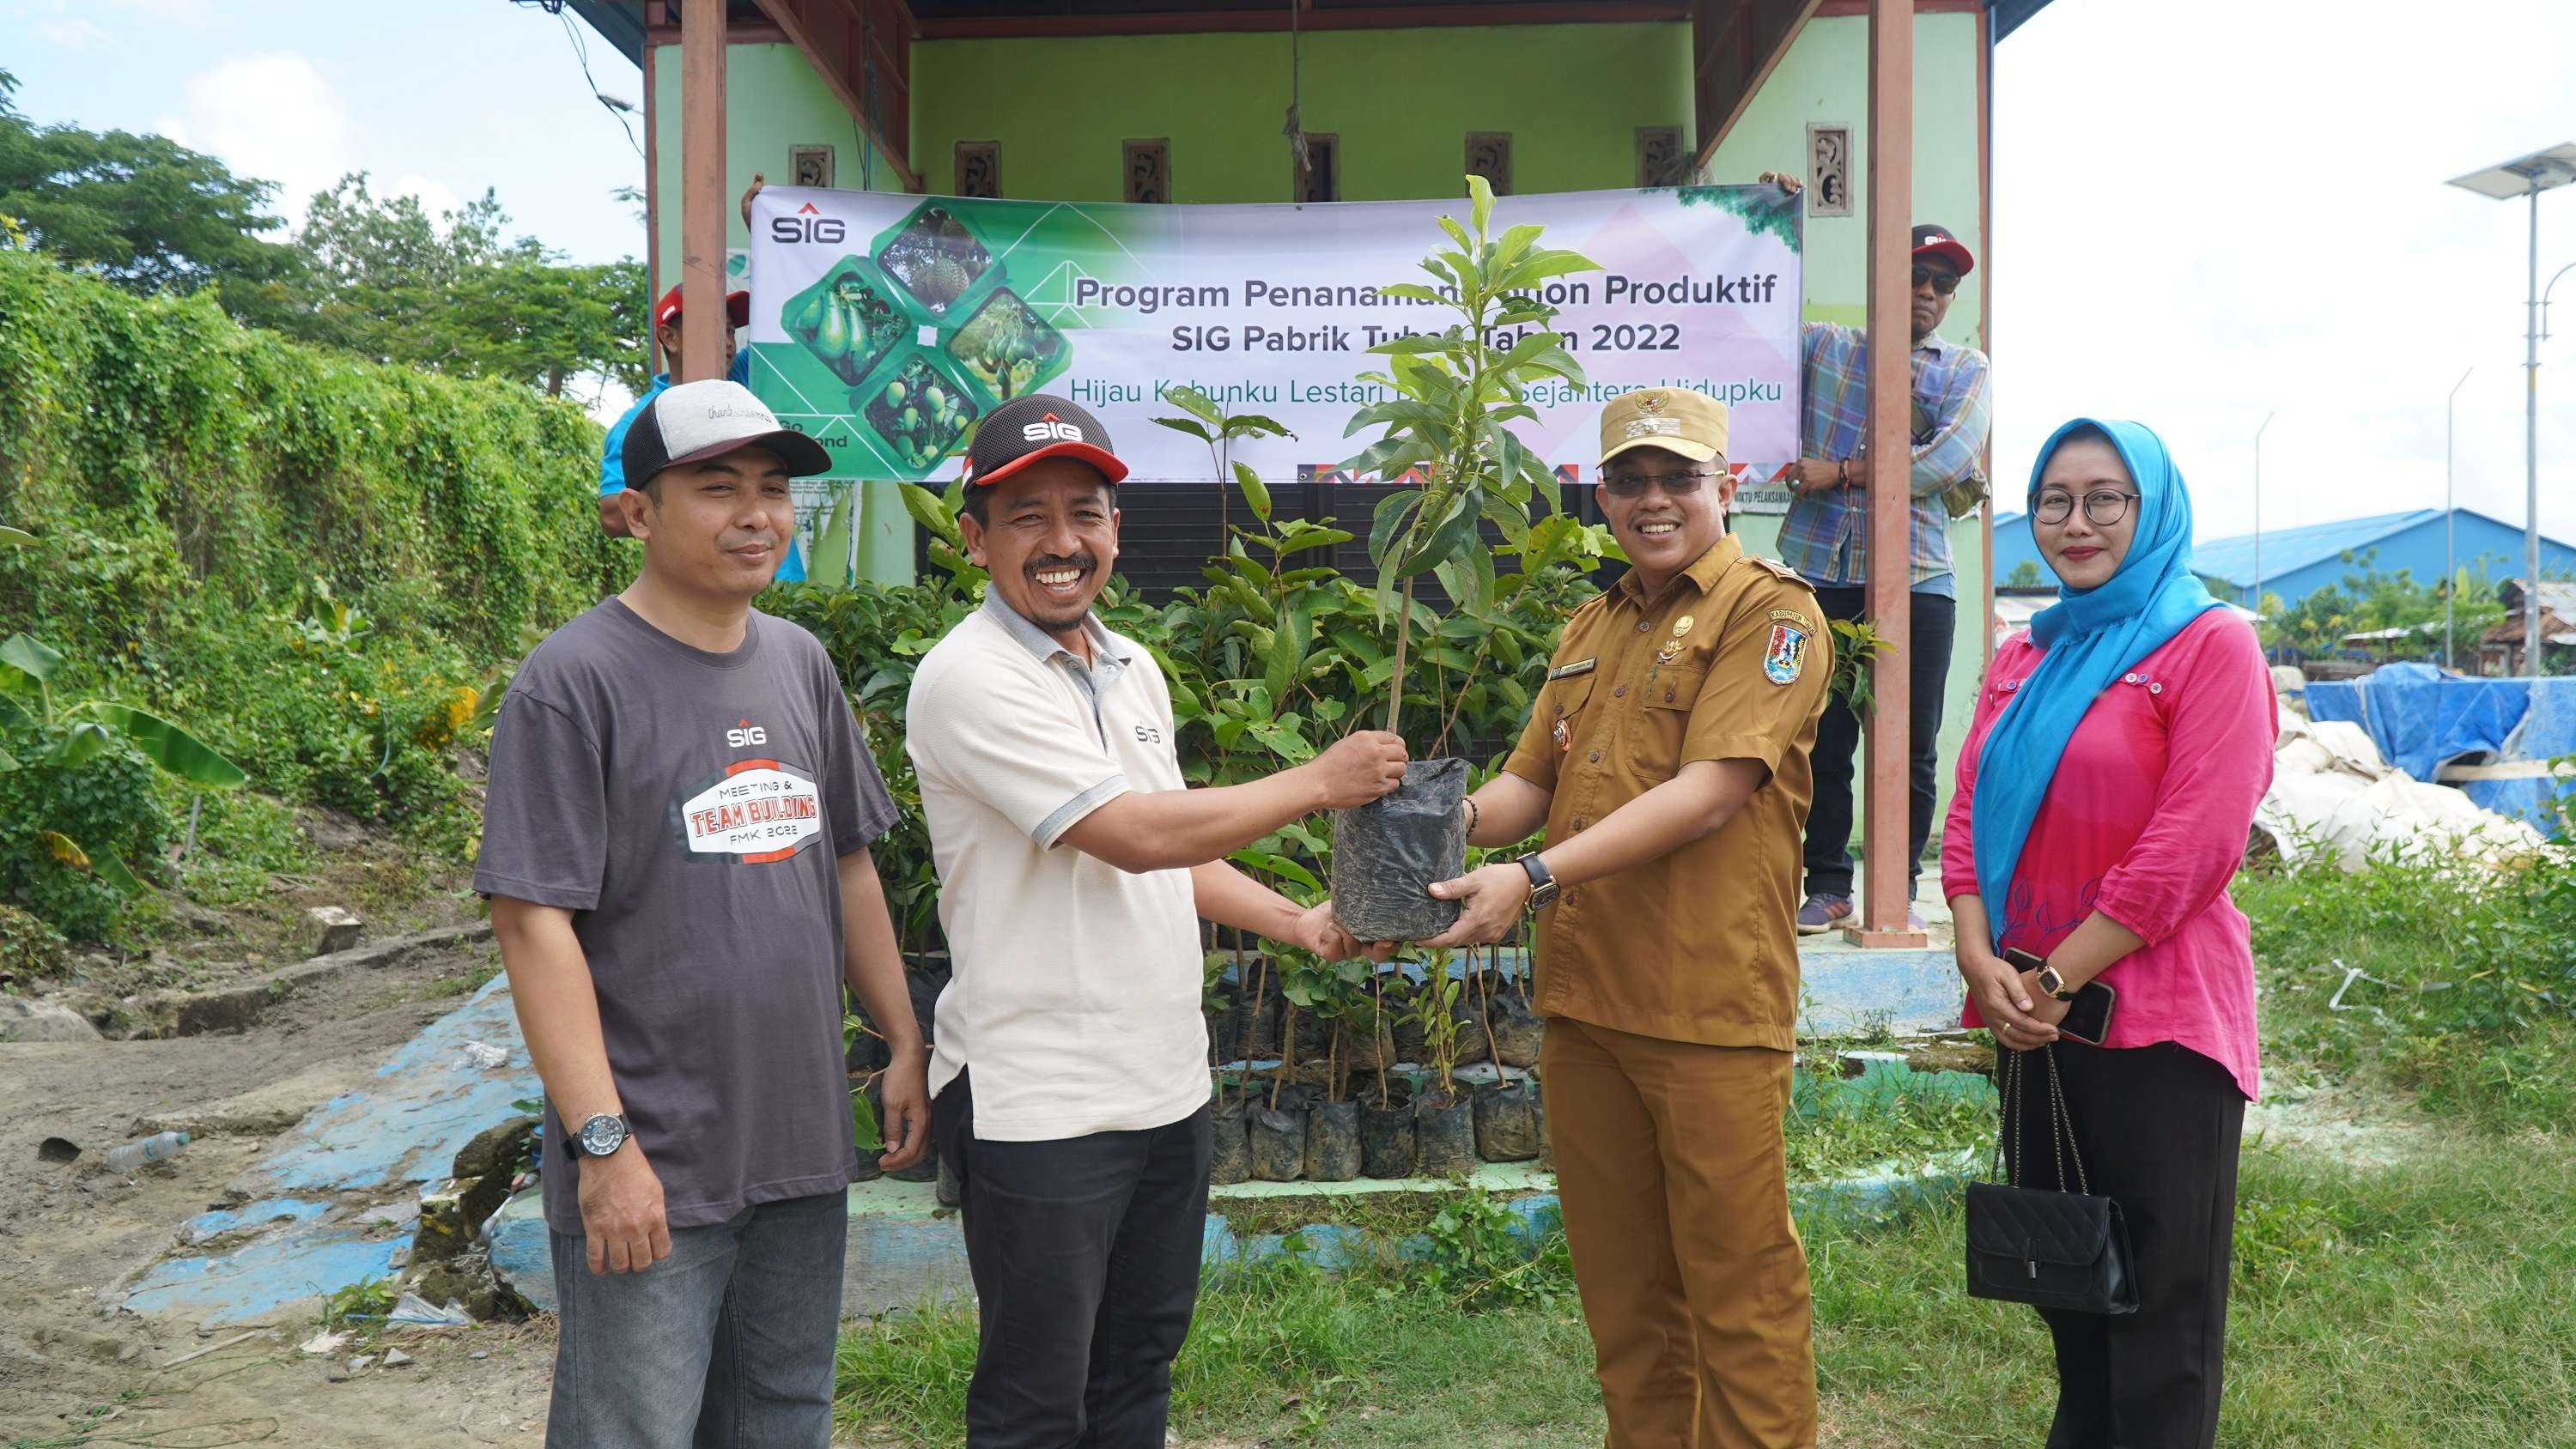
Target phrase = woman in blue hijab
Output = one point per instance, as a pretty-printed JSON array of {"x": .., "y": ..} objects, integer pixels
[{"x": 2108, "y": 784}]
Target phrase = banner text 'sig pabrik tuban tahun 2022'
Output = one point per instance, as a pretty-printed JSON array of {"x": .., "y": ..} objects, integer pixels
[{"x": 885, "y": 325}]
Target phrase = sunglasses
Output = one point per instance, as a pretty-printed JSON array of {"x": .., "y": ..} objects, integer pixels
[
  {"x": 1944, "y": 281},
  {"x": 1632, "y": 485}
]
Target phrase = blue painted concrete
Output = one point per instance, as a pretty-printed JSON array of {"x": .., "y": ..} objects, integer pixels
[
  {"x": 401, "y": 1131},
  {"x": 250, "y": 1214},
  {"x": 286, "y": 1269},
  {"x": 405, "y": 1127}
]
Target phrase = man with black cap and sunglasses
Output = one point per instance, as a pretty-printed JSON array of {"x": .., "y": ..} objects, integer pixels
[
  {"x": 1825, "y": 537},
  {"x": 1075, "y": 863},
  {"x": 676, "y": 847}
]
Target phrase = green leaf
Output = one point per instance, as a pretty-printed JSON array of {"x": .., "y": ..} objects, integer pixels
[
  {"x": 931, "y": 512},
  {"x": 1196, "y": 403},
  {"x": 13, "y": 537},
  {"x": 1411, "y": 291},
  {"x": 1540, "y": 265},
  {"x": 1413, "y": 343},
  {"x": 29, "y": 657},
  {"x": 1186, "y": 425},
  {"x": 1392, "y": 513},
  {"x": 115, "y": 872},
  {"x": 1254, "y": 425},
  {"x": 86, "y": 742},
  {"x": 1255, "y": 492},
  {"x": 1515, "y": 242},
  {"x": 1287, "y": 657},
  {"x": 8, "y": 762},
  {"x": 1458, "y": 234},
  {"x": 170, "y": 747},
  {"x": 1480, "y": 194},
  {"x": 863, "y": 1124},
  {"x": 1301, "y": 537},
  {"x": 830, "y": 566}
]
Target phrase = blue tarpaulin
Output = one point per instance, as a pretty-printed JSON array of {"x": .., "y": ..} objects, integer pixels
[{"x": 2423, "y": 718}]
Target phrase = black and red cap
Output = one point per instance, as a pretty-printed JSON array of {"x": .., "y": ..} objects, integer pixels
[
  {"x": 1936, "y": 241},
  {"x": 1038, "y": 425},
  {"x": 737, "y": 308}
]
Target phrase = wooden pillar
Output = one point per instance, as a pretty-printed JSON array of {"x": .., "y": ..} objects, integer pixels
[
  {"x": 702, "y": 188},
  {"x": 1891, "y": 285}
]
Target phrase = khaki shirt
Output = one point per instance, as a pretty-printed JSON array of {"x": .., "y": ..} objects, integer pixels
[{"x": 1730, "y": 663}]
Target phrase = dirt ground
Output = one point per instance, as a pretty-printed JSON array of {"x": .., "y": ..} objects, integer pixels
[{"x": 72, "y": 1374}]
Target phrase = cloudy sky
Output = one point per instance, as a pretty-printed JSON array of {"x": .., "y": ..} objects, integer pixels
[{"x": 2205, "y": 210}]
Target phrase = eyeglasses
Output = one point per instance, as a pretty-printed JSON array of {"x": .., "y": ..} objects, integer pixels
[
  {"x": 2102, "y": 507},
  {"x": 1943, "y": 281},
  {"x": 1632, "y": 485}
]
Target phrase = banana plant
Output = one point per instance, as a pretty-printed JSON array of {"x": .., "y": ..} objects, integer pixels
[
  {"x": 1452, "y": 396},
  {"x": 82, "y": 732}
]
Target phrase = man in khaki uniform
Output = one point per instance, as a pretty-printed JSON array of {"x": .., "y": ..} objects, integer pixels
[{"x": 1667, "y": 758}]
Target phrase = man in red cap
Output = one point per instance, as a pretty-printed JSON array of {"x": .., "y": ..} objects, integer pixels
[
  {"x": 1825, "y": 537},
  {"x": 1070, "y": 1056}
]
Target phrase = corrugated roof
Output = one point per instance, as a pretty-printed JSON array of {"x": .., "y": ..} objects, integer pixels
[{"x": 2286, "y": 550}]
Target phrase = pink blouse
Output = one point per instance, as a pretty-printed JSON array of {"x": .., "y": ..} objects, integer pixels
[{"x": 2145, "y": 821}]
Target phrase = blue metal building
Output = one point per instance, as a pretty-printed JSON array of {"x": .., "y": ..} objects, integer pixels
[{"x": 2299, "y": 561}]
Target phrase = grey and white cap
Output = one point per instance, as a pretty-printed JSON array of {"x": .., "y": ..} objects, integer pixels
[{"x": 691, "y": 422}]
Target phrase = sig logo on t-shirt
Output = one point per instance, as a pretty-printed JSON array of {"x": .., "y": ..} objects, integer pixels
[
  {"x": 746, "y": 734},
  {"x": 750, "y": 813}
]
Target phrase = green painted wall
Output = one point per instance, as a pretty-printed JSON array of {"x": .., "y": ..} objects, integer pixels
[
  {"x": 1822, "y": 80},
  {"x": 1402, "y": 102},
  {"x": 773, "y": 101}
]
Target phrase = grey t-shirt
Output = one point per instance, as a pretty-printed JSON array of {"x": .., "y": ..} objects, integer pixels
[{"x": 690, "y": 808}]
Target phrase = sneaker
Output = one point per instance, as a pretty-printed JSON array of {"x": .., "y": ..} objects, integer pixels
[
  {"x": 1914, "y": 920},
  {"x": 1822, "y": 913}
]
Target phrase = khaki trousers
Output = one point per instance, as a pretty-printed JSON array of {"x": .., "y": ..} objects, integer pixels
[{"x": 1674, "y": 1181}]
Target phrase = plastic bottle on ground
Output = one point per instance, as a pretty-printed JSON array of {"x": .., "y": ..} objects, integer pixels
[{"x": 159, "y": 1147}]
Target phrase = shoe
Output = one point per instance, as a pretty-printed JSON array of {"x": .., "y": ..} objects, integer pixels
[
  {"x": 1914, "y": 920},
  {"x": 1822, "y": 913}
]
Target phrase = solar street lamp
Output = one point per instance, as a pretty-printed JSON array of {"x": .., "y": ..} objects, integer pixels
[{"x": 2528, "y": 176}]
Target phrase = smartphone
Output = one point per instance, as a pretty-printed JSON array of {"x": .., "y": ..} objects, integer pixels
[{"x": 2088, "y": 1016}]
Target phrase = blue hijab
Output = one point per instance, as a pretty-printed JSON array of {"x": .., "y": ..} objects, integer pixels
[{"x": 2087, "y": 639}]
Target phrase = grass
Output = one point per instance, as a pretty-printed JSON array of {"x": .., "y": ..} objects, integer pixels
[
  {"x": 2421, "y": 1302},
  {"x": 2413, "y": 1305}
]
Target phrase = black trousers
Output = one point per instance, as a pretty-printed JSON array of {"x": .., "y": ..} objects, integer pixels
[
  {"x": 1085, "y": 1253},
  {"x": 2157, "y": 1130},
  {"x": 1829, "y": 818}
]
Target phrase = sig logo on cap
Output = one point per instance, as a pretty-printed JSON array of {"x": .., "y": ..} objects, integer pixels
[
  {"x": 1033, "y": 426},
  {"x": 1051, "y": 429}
]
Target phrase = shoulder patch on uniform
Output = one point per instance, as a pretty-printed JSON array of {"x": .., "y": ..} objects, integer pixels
[
  {"x": 1786, "y": 657},
  {"x": 1783, "y": 570}
]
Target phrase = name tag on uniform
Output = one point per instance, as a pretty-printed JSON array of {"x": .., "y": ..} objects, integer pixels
[{"x": 1568, "y": 671}]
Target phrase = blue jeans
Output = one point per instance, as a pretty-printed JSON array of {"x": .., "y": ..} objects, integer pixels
[{"x": 726, "y": 1344}]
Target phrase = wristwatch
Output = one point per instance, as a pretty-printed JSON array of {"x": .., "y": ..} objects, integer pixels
[
  {"x": 2054, "y": 984},
  {"x": 601, "y": 1136},
  {"x": 1543, "y": 887}
]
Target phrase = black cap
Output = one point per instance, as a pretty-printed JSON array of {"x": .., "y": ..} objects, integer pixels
[
  {"x": 1937, "y": 241},
  {"x": 1038, "y": 425},
  {"x": 690, "y": 422}
]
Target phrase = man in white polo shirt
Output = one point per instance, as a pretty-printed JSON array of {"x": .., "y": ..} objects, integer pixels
[{"x": 1069, "y": 1073}]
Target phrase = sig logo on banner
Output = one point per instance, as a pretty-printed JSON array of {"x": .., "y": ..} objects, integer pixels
[
  {"x": 750, "y": 813},
  {"x": 808, "y": 224}
]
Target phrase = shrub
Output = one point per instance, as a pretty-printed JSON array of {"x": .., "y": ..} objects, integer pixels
[{"x": 310, "y": 560}]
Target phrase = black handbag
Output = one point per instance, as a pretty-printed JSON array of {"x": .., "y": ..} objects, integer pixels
[{"x": 2049, "y": 1249}]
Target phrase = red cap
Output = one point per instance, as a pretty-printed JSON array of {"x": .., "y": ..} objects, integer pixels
[{"x": 737, "y": 308}]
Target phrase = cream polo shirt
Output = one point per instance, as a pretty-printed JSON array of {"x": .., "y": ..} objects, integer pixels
[{"x": 1076, "y": 993}]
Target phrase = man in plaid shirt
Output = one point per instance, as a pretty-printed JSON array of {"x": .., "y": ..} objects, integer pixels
[{"x": 1826, "y": 539}]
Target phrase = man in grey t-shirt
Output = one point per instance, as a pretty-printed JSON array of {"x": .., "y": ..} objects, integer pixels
[{"x": 675, "y": 844}]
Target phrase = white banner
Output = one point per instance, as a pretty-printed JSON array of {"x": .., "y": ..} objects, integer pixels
[{"x": 885, "y": 325}]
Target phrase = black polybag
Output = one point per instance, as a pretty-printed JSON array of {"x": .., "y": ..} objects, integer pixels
[{"x": 1387, "y": 853}]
